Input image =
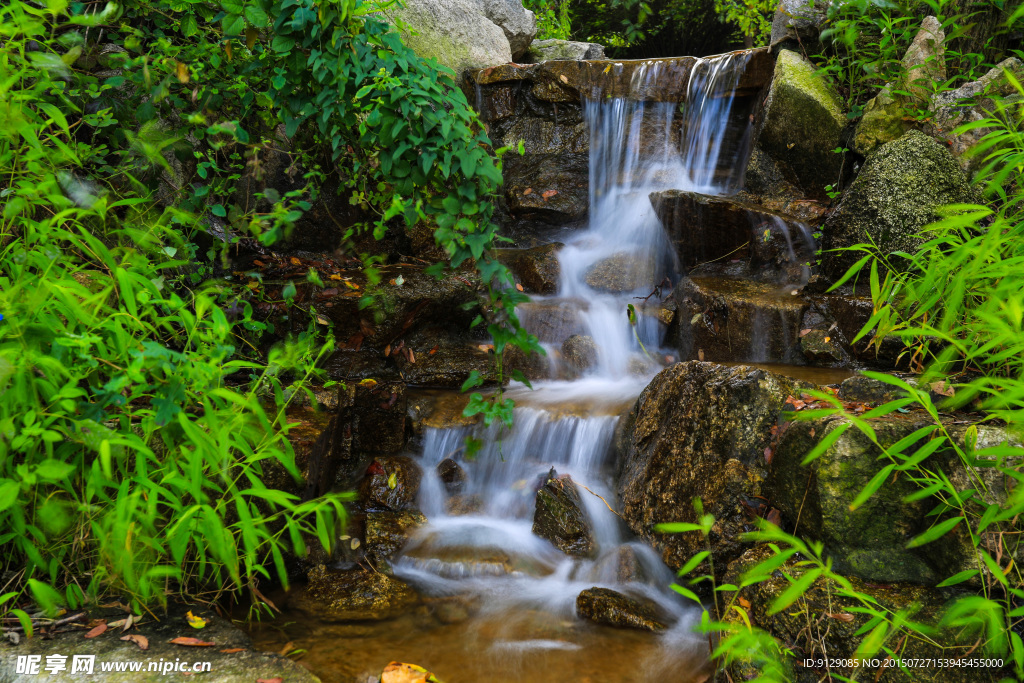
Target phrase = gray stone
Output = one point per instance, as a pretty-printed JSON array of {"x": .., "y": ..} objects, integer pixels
[
  {"x": 559, "y": 517},
  {"x": 896, "y": 193},
  {"x": 557, "y": 50},
  {"x": 924, "y": 62},
  {"x": 798, "y": 20},
  {"x": 580, "y": 352}
]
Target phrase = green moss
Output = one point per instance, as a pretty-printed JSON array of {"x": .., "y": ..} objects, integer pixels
[{"x": 882, "y": 122}]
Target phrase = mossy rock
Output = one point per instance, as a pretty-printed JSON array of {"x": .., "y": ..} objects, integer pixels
[
  {"x": 354, "y": 595},
  {"x": 802, "y": 123},
  {"x": 897, "y": 193},
  {"x": 559, "y": 517},
  {"x": 884, "y": 120},
  {"x": 611, "y": 608}
]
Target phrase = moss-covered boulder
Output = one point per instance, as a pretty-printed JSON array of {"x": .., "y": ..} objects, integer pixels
[
  {"x": 579, "y": 353},
  {"x": 827, "y": 624},
  {"x": 802, "y": 121},
  {"x": 884, "y": 120},
  {"x": 390, "y": 483},
  {"x": 871, "y": 541},
  {"x": 559, "y": 517},
  {"x": 611, "y": 608},
  {"x": 353, "y": 595},
  {"x": 699, "y": 430},
  {"x": 386, "y": 531},
  {"x": 896, "y": 193}
]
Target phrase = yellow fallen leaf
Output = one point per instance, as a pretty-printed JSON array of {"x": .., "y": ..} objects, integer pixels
[
  {"x": 335, "y": 276},
  {"x": 182, "y": 72},
  {"x": 194, "y": 621}
]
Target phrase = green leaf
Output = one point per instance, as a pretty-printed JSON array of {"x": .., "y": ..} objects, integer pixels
[
  {"x": 9, "y": 490},
  {"x": 692, "y": 563},
  {"x": 958, "y": 578},
  {"x": 795, "y": 590},
  {"x": 936, "y": 532},
  {"x": 54, "y": 470},
  {"x": 825, "y": 443},
  {"x": 872, "y": 486},
  {"x": 288, "y": 291}
]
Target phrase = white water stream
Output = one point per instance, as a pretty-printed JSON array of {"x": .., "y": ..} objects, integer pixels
[{"x": 636, "y": 147}]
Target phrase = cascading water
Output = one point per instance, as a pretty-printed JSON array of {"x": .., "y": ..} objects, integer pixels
[{"x": 484, "y": 546}]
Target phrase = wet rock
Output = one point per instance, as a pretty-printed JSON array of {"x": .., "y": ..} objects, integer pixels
[
  {"x": 699, "y": 430},
  {"x": 554, "y": 320},
  {"x": 453, "y": 610},
  {"x": 553, "y": 49},
  {"x": 798, "y": 20},
  {"x": 552, "y": 187},
  {"x": 727, "y": 319},
  {"x": 861, "y": 389},
  {"x": 443, "y": 359},
  {"x": 379, "y": 409},
  {"x": 559, "y": 517},
  {"x": 883, "y": 121},
  {"x": 704, "y": 228},
  {"x": 611, "y": 608},
  {"x": 537, "y": 269},
  {"x": 621, "y": 566},
  {"x": 467, "y": 34},
  {"x": 802, "y": 122},
  {"x": 386, "y": 531},
  {"x": 973, "y": 102},
  {"x": 820, "y": 347},
  {"x": 463, "y": 504},
  {"x": 354, "y": 595},
  {"x": 896, "y": 193},
  {"x": 840, "y": 633},
  {"x": 620, "y": 273},
  {"x": 391, "y": 483},
  {"x": 871, "y": 541},
  {"x": 534, "y": 366},
  {"x": 452, "y": 476},
  {"x": 580, "y": 353}
]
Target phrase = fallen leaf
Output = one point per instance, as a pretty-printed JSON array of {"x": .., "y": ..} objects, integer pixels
[
  {"x": 527, "y": 191},
  {"x": 393, "y": 480},
  {"x": 412, "y": 356},
  {"x": 288, "y": 647},
  {"x": 335, "y": 276},
  {"x": 744, "y": 603},
  {"x": 191, "y": 642},
  {"x": 259, "y": 263},
  {"x": 942, "y": 388},
  {"x": 128, "y": 622},
  {"x": 548, "y": 194},
  {"x": 768, "y": 455},
  {"x": 805, "y": 332},
  {"x": 433, "y": 350},
  {"x": 269, "y": 680},
  {"x": 842, "y": 616},
  {"x": 519, "y": 287},
  {"x": 387, "y": 350},
  {"x": 141, "y": 641},
  {"x": 813, "y": 430},
  {"x": 700, "y": 354},
  {"x": 564, "y": 79},
  {"x": 774, "y": 516},
  {"x": 294, "y": 261},
  {"x": 96, "y": 631},
  {"x": 194, "y": 621},
  {"x": 182, "y": 73},
  {"x": 233, "y": 650}
]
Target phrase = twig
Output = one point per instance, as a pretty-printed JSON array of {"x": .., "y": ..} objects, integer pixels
[
  {"x": 603, "y": 501},
  {"x": 46, "y": 622}
]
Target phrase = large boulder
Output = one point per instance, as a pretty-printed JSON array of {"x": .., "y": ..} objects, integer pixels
[
  {"x": 871, "y": 541},
  {"x": 802, "y": 122},
  {"x": 467, "y": 34},
  {"x": 699, "y": 430},
  {"x": 353, "y": 595},
  {"x": 537, "y": 269},
  {"x": 560, "y": 50},
  {"x": 924, "y": 62},
  {"x": 896, "y": 193}
]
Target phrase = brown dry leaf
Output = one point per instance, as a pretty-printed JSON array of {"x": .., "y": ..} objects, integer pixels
[
  {"x": 519, "y": 287},
  {"x": 259, "y": 263},
  {"x": 387, "y": 350},
  {"x": 774, "y": 516},
  {"x": 842, "y": 616},
  {"x": 942, "y": 388},
  {"x": 412, "y": 356},
  {"x": 251, "y": 34},
  {"x": 433, "y": 350},
  {"x": 527, "y": 191},
  {"x": 270, "y": 680},
  {"x": 96, "y": 631},
  {"x": 805, "y": 332},
  {"x": 564, "y": 79},
  {"x": 288, "y": 647},
  {"x": 128, "y": 622},
  {"x": 700, "y": 354},
  {"x": 294, "y": 261},
  {"x": 813, "y": 430},
  {"x": 141, "y": 641},
  {"x": 335, "y": 276},
  {"x": 233, "y": 650},
  {"x": 548, "y": 194},
  {"x": 768, "y": 455},
  {"x": 191, "y": 642},
  {"x": 744, "y": 603},
  {"x": 398, "y": 672}
]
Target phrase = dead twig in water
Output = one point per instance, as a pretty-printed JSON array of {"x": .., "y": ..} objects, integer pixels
[
  {"x": 603, "y": 501},
  {"x": 50, "y": 623}
]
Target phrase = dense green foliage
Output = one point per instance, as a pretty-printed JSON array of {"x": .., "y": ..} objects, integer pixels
[
  {"x": 134, "y": 428},
  {"x": 956, "y": 305}
]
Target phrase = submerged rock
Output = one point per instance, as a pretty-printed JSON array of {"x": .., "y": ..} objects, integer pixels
[
  {"x": 559, "y": 517},
  {"x": 802, "y": 123},
  {"x": 554, "y": 49},
  {"x": 620, "y": 273},
  {"x": 390, "y": 483},
  {"x": 356, "y": 595},
  {"x": 452, "y": 476},
  {"x": 894, "y": 196},
  {"x": 537, "y": 269},
  {"x": 699, "y": 430},
  {"x": 386, "y": 531},
  {"x": 611, "y": 608},
  {"x": 619, "y": 566},
  {"x": 580, "y": 352}
]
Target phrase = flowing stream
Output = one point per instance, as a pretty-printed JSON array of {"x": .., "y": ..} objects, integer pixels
[{"x": 523, "y": 625}]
